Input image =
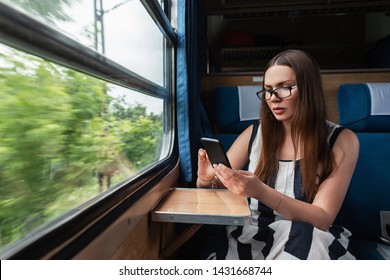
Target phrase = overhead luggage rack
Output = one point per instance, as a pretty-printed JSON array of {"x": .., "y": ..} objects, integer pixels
[
  {"x": 332, "y": 55},
  {"x": 235, "y": 9}
]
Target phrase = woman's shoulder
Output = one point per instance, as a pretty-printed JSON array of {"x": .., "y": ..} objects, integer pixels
[
  {"x": 348, "y": 138},
  {"x": 244, "y": 138},
  {"x": 341, "y": 136},
  {"x": 250, "y": 131}
]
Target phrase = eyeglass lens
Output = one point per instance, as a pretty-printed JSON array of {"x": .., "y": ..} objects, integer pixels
[{"x": 279, "y": 92}]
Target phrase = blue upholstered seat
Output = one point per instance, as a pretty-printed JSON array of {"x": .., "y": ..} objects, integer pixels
[
  {"x": 365, "y": 108},
  {"x": 235, "y": 108}
]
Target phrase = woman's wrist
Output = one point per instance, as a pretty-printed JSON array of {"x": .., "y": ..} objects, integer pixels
[
  {"x": 280, "y": 202},
  {"x": 204, "y": 181},
  {"x": 261, "y": 191},
  {"x": 213, "y": 182}
]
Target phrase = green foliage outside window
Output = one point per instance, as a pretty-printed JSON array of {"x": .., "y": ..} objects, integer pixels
[{"x": 61, "y": 137}]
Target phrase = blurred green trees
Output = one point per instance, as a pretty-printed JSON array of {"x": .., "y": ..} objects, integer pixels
[
  {"x": 60, "y": 132},
  {"x": 48, "y": 9}
]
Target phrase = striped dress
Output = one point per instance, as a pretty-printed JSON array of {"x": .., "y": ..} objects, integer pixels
[{"x": 270, "y": 235}]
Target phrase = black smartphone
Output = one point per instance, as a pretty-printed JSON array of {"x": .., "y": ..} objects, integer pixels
[{"x": 215, "y": 151}]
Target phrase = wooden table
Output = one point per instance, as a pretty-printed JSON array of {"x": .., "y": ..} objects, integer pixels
[
  {"x": 197, "y": 206},
  {"x": 202, "y": 206}
]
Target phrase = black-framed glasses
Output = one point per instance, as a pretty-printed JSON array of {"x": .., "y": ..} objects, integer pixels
[{"x": 281, "y": 92}]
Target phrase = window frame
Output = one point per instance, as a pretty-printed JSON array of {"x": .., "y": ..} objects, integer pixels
[{"x": 67, "y": 235}]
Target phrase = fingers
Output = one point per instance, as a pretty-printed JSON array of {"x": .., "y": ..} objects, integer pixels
[
  {"x": 236, "y": 181},
  {"x": 225, "y": 170},
  {"x": 202, "y": 155},
  {"x": 205, "y": 170},
  {"x": 240, "y": 182},
  {"x": 227, "y": 175}
]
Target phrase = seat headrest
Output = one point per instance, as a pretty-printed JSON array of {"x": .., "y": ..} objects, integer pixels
[
  {"x": 236, "y": 107},
  {"x": 364, "y": 107}
]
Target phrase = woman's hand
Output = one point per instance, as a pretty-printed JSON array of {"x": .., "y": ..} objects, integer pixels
[
  {"x": 240, "y": 182},
  {"x": 206, "y": 171}
]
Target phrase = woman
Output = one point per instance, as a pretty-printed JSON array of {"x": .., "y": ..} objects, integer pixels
[{"x": 300, "y": 166}]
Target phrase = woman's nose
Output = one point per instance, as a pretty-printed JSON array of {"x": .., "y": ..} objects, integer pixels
[{"x": 275, "y": 98}]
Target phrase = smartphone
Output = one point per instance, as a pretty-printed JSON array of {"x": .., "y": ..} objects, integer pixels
[{"x": 215, "y": 151}]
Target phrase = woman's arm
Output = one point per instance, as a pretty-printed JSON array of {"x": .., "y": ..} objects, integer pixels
[
  {"x": 332, "y": 191},
  {"x": 328, "y": 200},
  {"x": 238, "y": 152}
]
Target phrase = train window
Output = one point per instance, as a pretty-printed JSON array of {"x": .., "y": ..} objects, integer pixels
[
  {"x": 82, "y": 109},
  {"x": 116, "y": 29}
]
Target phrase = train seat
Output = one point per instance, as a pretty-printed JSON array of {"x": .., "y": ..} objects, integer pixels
[
  {"x": 231, "y": 119},
  {"x": 365, "y": 109}
]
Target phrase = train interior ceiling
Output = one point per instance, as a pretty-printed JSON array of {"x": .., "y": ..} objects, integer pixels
[{"x": 244, "y": 34}]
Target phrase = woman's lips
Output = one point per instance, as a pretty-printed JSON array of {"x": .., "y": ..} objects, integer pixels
[{"x": 278, "y": 110}]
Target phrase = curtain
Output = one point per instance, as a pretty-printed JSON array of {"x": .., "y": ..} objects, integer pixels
[{"x": 191, "y": 65}]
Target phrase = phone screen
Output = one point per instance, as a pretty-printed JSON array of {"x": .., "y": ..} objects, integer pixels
[{"x": 215, "y": 151}]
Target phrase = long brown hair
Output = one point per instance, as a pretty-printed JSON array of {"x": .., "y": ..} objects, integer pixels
[{"x": 308, "y": 126}]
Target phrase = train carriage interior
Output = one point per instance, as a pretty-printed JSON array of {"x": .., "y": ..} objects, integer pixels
[
  {"x": 218, "y": 50},
  {"x": 347, "y": 39}
]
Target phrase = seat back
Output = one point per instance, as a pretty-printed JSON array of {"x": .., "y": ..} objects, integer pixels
[
  {"x": 365, "y": 108},
  {"x": 235, "y": 108}
]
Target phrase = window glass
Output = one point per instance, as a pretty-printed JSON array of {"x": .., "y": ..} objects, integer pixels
[
  {"x": 65, "y": 137},
  {"x": 121, "y": 30}
]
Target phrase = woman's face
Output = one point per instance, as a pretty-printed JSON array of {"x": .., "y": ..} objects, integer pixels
[{"x": 281, "y": 76}]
